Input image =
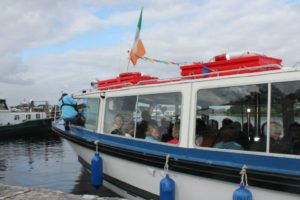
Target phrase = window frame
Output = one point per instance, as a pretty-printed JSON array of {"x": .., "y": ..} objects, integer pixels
[
  {"x": 180, "y": 88},
  {"x": 242, "y": 80},
  {"x": 96, "y": 129}
]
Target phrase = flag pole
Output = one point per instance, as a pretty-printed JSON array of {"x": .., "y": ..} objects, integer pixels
[{"x": 128, "y": 64}]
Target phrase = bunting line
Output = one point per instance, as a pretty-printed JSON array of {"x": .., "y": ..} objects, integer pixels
[{"x": 152, "y": 60}]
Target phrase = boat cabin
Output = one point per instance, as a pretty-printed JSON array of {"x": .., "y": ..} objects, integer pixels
[{"x": 245, "y": 104}]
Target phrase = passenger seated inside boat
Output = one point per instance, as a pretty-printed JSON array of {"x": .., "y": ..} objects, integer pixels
[
  {"x": 152, "y": 133},
  {"x": 208, "y": 139},
  {"x": 164, "y": 129},
  {"x": 175, "y": 133},
  {"x": 142, "y": 127},
  {"x": 295, "y": 133},
  {"x": 292, "y": 138},
  {"x": 129, "y": 130},
  {"x": 226, "y": 122},
  {"x": 201, "y": 131},
  {"x": 228, "y": 136},
  {"x": 118, "y": 125},
  {"x": 213, "y": 127},
  {"x": 276, "y": 145},
  {"x": 243, "y": 138}
]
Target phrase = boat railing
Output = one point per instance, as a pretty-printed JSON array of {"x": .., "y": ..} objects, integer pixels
[
  {"x": 116, "y": 85},
  {"x": 210, "y": 74},
  {"x": 55, "y": 113},
  {"x": 296, "y": 65}
]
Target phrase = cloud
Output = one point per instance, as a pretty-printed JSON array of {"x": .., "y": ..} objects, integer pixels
[
  {"x": 171, "y": 30},
  {"x": 27, "y": 24}
]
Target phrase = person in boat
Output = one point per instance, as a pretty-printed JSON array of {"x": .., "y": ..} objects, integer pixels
[
  {"x": 68, "y": 107},
  {"x": 164, "y": 128},
  {"x": 276, "y": 145},
  {"x": 208, "y": 139},
  {"x": 142, "y": 127},
  {"x": 118, "y": 125},
  {"x": 200, "y": 131},
  {"x": 294, "y": 130},
  {"x": 175, "y": 133},
  {"x": 152, "y": 133},
  {"x": 129, "y": 130},
  {"x": 213, "y": 127},
  {"x": 228, "y": 136},
  {"x": 225, "y": 122},
  {"x": 242, "y": 138}
]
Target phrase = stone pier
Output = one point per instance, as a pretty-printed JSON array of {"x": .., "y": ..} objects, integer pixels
[{"x": 8, "y": 192}]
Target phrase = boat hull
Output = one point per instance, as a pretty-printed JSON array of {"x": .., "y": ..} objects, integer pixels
[
  {"x": 139, "y": 176},
  {"x": 27, "y": 127},
  {"x": 137, "y": 181}
]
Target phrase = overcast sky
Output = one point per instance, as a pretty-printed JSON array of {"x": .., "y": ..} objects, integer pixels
[{"x": 50, "y": 46}]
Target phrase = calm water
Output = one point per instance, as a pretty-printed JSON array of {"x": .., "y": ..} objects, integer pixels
[{"x": 44, "y": 161}]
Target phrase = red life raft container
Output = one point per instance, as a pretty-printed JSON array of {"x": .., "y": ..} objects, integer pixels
[
  {"x": 224, "y": 67},
  {"x": 124, "y": 80}
]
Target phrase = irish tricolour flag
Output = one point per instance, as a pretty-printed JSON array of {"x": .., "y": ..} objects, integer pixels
[{"x": 137, "y": 50}]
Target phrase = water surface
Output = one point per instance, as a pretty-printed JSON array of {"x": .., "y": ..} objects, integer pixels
[{"x": 44, "y": 160}]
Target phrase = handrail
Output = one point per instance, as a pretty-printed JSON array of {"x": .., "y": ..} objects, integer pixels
[
  {"x": 295, "y": 65},
  {"x": 123, "y": 84}
]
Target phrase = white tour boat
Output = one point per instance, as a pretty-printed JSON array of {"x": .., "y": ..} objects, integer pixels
[{"x": 230, "y": 115}]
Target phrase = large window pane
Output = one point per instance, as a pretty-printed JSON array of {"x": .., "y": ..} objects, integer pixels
[
  {"x": 89, "y": 108},
  {"x": 119, "y": 114},
  {"x": 157, "y": 116},
  {"x": 153, "y": 117},
  {"x": 285, "y": 118},
  {"x": 231, "y": 117}
]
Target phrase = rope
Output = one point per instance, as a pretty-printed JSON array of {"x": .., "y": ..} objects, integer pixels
[
  {"x": 96, "y": 143},
  {"x": 152, "y": 60},
  {"x": 243, "y": 173},
  {"x": 166, "y": 167}
]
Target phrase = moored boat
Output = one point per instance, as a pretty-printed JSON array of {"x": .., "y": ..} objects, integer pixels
[
  {"x": 208, "y": 124},
  {"x": 23, "y": 119}
]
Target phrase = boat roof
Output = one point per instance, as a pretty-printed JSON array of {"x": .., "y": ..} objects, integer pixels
[{"x": 196, "y": 72}]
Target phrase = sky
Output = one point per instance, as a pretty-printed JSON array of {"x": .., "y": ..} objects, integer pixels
[{"x": 52, "y": 46}]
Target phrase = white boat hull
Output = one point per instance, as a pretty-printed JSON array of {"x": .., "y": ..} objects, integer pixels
[{"x": 187, "y": 186}]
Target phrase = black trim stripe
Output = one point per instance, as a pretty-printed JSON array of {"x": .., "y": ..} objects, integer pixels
[
  {"x": 279, "y": 182},
  {"x": 130, "y": 189}
]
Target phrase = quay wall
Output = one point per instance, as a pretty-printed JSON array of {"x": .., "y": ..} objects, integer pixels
[{"x": 8, "y": 192}]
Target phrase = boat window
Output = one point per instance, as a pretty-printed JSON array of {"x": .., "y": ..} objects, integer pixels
[
  {"x": 119, "y": 115},
  {"x": 28, "y": 117},
  {"x": 285, "y": 118},
  {"x": 158, "y": 117},
  {"x": 38, "y": 116},
  {"x": 150, "y": 117},
  {"x": 230, "y": 117},
  {"x": 88, "y": 108},
  {"x": 17, "y": 117},
  {"x": 3, "y": 105}
]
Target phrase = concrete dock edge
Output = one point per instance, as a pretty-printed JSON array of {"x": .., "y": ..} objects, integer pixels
[{"x": 8, "y": 192}]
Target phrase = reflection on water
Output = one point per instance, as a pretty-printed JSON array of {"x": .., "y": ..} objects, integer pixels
[
  {"x": 83, "y": 186},
  {"x": 44, "y": 160}
]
